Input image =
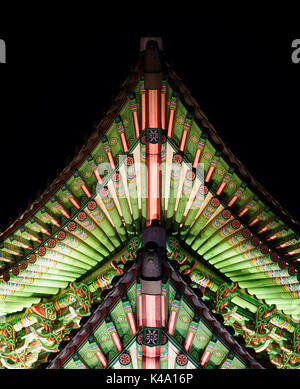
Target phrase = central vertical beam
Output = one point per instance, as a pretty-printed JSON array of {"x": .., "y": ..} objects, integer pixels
[
  {"x": 153, "y": 85},
  {"x": 153, "y": 250},
  {"x": 153, "y": 151}
]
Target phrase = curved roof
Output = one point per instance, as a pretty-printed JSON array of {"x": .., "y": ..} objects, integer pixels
[{"x": 228, "y": 228}]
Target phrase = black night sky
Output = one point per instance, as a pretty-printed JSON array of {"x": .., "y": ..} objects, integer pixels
[{"x": 62, "y": 71}]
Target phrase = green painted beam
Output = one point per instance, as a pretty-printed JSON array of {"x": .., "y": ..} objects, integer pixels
[
  {"x": 206, "y": 214},
  {"x": 194, "y": 209}
]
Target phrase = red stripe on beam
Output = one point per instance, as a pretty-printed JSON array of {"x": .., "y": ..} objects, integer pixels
[
  {"x": 153, "y": 108},
  {"x": 101, "y": 358},
  {"x": 153, "y": 156},
  {"x": 65, "y": 213},
  {"x": 136, "y": 124},
  {"x": 123, "y": 259},
  {"x": 124, "y": 142},
  {"x": 262, "y": 230},
  {"x": 44, "y": 231},
  {"x": 111, "y": 160},
  {"x": 151, "y": 310},
  {"x": 98, "y": 177},
  {"x": 205, "y": 358},
  {"x": 74, "y": 202},
  {"x": 183, "y": 260},
  {"x": 139, "y": 309},
  {"x": 171, "y": 122},
  {"x": 197, "y": 158},
  {"x": 143, "y": 111},
  {"x": 153, "y": 187},
  {"x": 243, "y": 212},
  {"x": 86, "y": 191},
  {"x": 209, "y": 173},
  {"x": 253, "y": 222},
  {"x": 54, "y": 222},
  {"x": 163, "y": 311},
  {"x": 189, "y": 341},
  {"x": 172, "y": 321},
  {"x": 221, "y": 188},
  {"x": 232, "y": 201},
  {"x": 163, "y": 111},
  {"x": 116, "y": 340},
  {"x": 131, "y": 322},
  {"x": 183, "y": 140}
]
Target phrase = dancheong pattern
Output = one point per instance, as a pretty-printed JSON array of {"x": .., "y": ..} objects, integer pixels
[{"x": 154, "y": 159}]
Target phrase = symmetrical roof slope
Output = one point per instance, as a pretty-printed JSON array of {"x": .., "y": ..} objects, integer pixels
[
  {"x": 154, "y": 156},
  {"x": 190, "y": 336}
]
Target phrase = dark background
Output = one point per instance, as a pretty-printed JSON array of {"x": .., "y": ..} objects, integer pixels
[{"x": 63, "y": 69}]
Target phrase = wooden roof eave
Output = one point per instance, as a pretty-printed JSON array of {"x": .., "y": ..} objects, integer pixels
[{"x": 119, "y": 288}]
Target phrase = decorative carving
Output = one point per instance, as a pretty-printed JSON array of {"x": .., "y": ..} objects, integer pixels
[
  {"x": 134, "y": 244},
  {"x": 8, "y": 338},
  {"x": 263, "y": 317},
  {"x": 45, "y": 310},
  {"x": 223, "y": 294},
  {"x": 83, "y": 296},
  {"x": 296, "y": 340}
]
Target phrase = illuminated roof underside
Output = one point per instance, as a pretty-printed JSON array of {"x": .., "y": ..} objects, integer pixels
[{"x": 154, "y": 156}]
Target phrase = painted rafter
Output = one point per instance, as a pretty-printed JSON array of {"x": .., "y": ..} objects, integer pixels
[
  {"x": 171, "y": 353},
  {"x": 45, "y": 254}
]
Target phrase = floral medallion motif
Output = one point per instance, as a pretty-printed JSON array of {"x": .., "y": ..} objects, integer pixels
[
  {"x": 100, "y": 159},
  {"x": 151, "y": 337},
  {"x": 207, "y": 156},
  {"x": 23, "y": 264},
  {"x": 153, "y": 135},
  {"x": 185, "y": 318},
  {"x": 125, "y": 359},
  {"x": 89, "y": 355},
  {"x": 104, "y": 338},
  {"x": 32, "y": 258},
  {"x": 201, "y": 337},
  {"x": 120, "y": 318},
  {"x": 61, "y": 235},
  {"x": 180, "y": 119},
  {"x": 194, "y": 139},
  {"x": 203, "y": 189},
  {"x": 113, "y": 141},
  {"x": 215, "y": 202},
  {"x": 126, "y": 122},
  {"x": 177, "y": 158},
  {"x": 181, "y": 360}
]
